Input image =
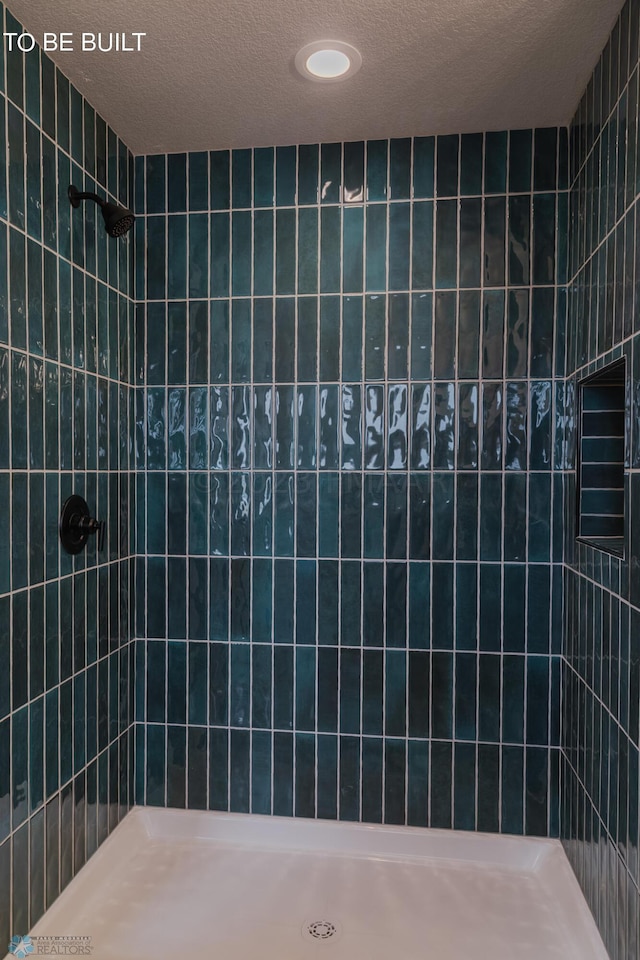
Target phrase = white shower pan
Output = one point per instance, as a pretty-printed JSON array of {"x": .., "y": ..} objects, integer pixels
[{"x": 172, "y": 883}]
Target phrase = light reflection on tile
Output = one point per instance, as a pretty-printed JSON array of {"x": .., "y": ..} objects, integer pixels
[
  {"x": 198, "y": 440},
  {"x": 329, "y": 427},
  {"x": 241, "y": 442},
  {"x": 306, "y": 427},
  {"x": 285, "y": 419},
  {"x": 374, "y": 428},
  {"x": 263, "y": 428},
  {"x": 398, "y": 421},
  {"x": 219, "y": 427},
  {"x": 351, "y": 417},
  {"x": 492, "y": 395},
  {"x": 468, "y": 427},
  {"x": 444, "y": 415},
  {"x": 176, "y": 429},
  {"x": 516, "y": 427},
  {"x": 421, "y": 432}
]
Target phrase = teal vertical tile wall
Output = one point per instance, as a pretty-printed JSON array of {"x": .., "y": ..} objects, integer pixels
[
  {"x": 65, "y": 396},
  {"x": 601, "y": 682},
  {"x": 350, "y": 360}
]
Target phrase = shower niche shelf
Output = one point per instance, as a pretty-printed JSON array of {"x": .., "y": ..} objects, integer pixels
[{"x": 601, "y": 459}]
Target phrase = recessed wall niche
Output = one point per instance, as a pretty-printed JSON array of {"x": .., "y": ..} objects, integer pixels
[{"x": 601, "y": 459}]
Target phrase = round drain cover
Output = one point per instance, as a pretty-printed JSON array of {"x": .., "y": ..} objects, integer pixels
[{"x": 321, "y": 931}]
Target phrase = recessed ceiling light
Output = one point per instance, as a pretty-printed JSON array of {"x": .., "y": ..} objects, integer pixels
[{"x": 327, "y": 61}]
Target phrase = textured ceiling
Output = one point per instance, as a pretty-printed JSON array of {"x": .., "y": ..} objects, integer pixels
[{"x": 219, "y": 73}]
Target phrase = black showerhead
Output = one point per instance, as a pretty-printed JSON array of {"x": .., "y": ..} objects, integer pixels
[{"x": 117, "y": 220}]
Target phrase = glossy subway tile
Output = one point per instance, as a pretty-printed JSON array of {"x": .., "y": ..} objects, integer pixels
[
  {"x": 369, "y": 418},
  {"x": 65, "y": 369},
  {"x": 599, "y": 812}
]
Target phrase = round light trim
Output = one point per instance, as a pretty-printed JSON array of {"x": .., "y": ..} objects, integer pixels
[{"x": 328, "y": 61}]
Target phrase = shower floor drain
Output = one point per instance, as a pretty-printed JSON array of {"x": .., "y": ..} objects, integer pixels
[{"x": 321, "y": 931}]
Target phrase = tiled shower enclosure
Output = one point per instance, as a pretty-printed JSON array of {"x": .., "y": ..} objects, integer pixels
[
  {"x": 325, "y": 397},
  {"x": 347, "y": 408}
]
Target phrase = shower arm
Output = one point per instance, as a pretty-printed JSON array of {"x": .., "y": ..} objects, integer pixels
[
  {"x": 75, "y": 197},
  {"x": 118, "y": 220}
]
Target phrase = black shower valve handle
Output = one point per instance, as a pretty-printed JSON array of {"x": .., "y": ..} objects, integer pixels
[
  {"x": 77, "y": 525},
  {"x": 89, "y": 525}
]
